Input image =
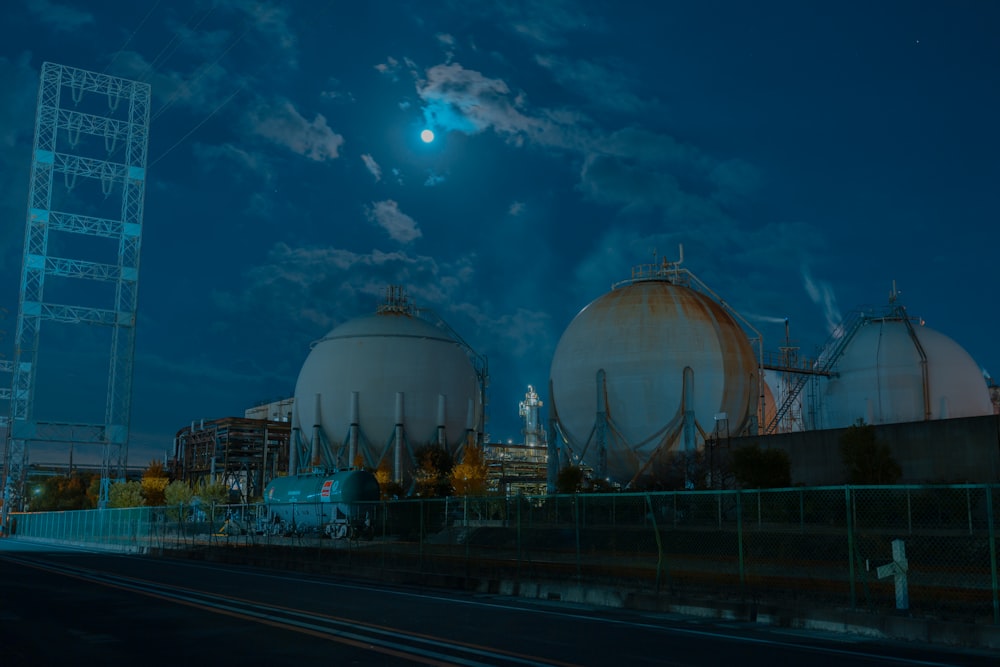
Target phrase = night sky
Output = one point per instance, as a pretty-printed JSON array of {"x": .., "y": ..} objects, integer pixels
[{"x": 806, "y": 155}]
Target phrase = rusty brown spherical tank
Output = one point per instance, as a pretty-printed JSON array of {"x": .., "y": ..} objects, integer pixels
[{"x": 628, "y": 352}]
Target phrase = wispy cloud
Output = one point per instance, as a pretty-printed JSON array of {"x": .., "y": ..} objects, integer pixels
[
  {"x": 434, "y": 179},
  {"x": 372, "y": 166},
  {"x": 516, "y": 208},
  {"x": 285, "y": 126},
  {"x": 600, "y": 84},
  {"x": 633, "y": 168},
  {"x": 546, "y": 23},
  {"x": 398, "y": 225},
  {"x": 60, "y": 17}
]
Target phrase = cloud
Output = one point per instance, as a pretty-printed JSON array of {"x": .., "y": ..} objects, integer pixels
[
  {"x": 334, "y": 93},
  {"x": 208, "y": 155},
  {"x": 312, "y": 288},
  {"x": 516, "y": 208},
  {"x": 547, "y": 23},
  {"x": 283, "y": 125},
  {"x": 271, "y": 20},
  {"x": 400, "y": 227},
  {"x": 463, "y": 100},
  {"x": 372, "y": 166},
  {"x": 447, "y": 42},
  {"x": 599, "y": 84},
  {"x": 60, "y": 17},
  {"x": 434, "y": 179},
  {"x": 633, "y": 167},
  {"x": 201, "y": 90},
  {"x": 393, "y": 67}
]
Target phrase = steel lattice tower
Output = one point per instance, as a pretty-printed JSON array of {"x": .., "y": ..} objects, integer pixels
[{"x": 90, "y": 129}]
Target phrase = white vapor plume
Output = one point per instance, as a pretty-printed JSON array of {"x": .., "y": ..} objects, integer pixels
[
  {"x": 770, "y": 319},
  {"x": 822, "y": 294}
]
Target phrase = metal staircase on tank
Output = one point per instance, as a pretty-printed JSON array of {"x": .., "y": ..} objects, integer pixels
[
  {"x": 832, "y": 350},
  {"x": 88, "y": 179}
]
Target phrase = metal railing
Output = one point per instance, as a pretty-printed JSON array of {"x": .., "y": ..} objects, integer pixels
[{"x": 817, "y": 545}]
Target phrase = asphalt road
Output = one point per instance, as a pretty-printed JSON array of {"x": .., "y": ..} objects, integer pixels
[{"x": 61, "y": 605}]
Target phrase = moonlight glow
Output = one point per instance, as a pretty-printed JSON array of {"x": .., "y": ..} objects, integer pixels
[{"x": 427, "y": 136}]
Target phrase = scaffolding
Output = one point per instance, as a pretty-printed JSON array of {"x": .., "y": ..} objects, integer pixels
[
  {"x": 243, "y": 455},
  {"x": 92, "y": 131}
]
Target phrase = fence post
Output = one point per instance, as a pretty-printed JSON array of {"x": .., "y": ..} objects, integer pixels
[
  {"x": 850, "y": 544},
  {"x": 576, "y": 524},
  {"x": 519, "y": 538},
  {"x": 909, "y": 512},
  {"x": 802, "y": 511},
  {"x": 968, "y": 507},
  {"x": 993, "y": 551},
  {"x": 739, "y": 537},
  {"x": 659, "y": 543}
]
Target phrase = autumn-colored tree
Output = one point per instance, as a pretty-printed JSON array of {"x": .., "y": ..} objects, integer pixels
[
  {"x": 154, "y": 484},
  {"x": 65, "y": 492},
  {"x": 388, "y": 488},
  {"x": 125, "y": 494},
  {"x": 468, "y": 478},
  {"x": 433, "y": 474}
]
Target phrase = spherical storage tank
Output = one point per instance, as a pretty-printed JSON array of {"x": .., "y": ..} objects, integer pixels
[
  {"x": 669, "y": 360},
  {"x": 891, "y": 371},
  {"x": 383, "y": 370}
]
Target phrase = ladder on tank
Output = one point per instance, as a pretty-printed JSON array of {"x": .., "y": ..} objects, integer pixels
[{"x": 832, "y": 350}]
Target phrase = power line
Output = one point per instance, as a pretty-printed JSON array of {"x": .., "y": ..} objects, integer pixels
[
  {"x": 195, "y": 128},
  {"x": 129, "y": 39}
]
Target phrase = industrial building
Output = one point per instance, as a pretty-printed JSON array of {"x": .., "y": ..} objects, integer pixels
[{"x": 243, "y": 454}]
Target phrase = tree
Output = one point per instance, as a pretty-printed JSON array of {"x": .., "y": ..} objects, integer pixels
[
  {"x": 154, "y": 484},
  {"x": 468, "y": 478},
  {"x": 387, "y": 488},
  {"x": 674, "y": 471},
  {"x": 866, "y": 459},
  {"x": 756, "y": 468},
  {"x": 125, "y": 494},
  {"x": 212, "y": 493},
  {"x": 569, "y": 480},
  {"x": 65, "y": 492},
  {"x": 433, "y": 474},
  {"x": 177, "y": 497},
  {"x": 178, "y": 493}
]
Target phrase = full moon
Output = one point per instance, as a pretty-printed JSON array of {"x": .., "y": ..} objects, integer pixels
[{"x": 427, "y": 136}]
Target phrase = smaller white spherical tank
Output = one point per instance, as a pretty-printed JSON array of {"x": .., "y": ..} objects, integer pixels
[
  {"x": 894, "y": 371},
  {"x": 383, "y": 364},
  {"x": 643, "y": 336}
]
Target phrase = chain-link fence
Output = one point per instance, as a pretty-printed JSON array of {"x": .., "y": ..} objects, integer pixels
[{"x": 932, "y": 549}]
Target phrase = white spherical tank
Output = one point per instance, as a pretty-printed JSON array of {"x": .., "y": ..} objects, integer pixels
[
  {"x": 382, "y": 370},
  {"x": 643, "y": 336},
  {"x": 891, "y": 371}
]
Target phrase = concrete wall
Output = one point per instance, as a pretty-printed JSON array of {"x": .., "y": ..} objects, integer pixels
[{"x": 938, "y": 451}]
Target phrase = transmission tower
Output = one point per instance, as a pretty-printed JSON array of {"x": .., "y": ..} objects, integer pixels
[{"x": 80, "y": 265}]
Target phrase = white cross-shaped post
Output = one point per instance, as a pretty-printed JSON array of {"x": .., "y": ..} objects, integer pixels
[{"x": 897, "y": 568}]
